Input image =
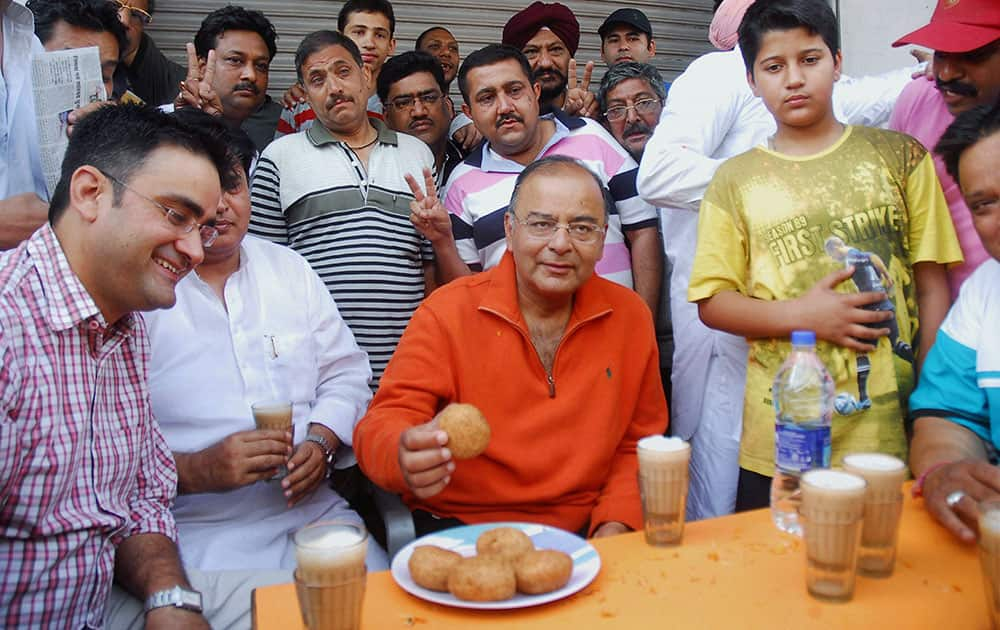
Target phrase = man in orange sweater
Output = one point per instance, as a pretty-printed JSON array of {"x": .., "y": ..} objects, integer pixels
[{"x": 562, "y": 363}]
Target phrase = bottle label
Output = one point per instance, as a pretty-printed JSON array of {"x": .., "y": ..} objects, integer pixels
[{"x": 800, "y": 448}]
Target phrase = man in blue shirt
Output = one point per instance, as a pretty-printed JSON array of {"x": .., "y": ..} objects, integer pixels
[{"x": 956, "y": 407}]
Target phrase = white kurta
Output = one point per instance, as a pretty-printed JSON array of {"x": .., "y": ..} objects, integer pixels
[
  {"x": 710, "y": 116},
  {"x": 282, "y": 337}
]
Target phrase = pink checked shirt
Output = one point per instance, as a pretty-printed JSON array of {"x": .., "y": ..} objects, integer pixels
[{"x": 82, "y": 463}]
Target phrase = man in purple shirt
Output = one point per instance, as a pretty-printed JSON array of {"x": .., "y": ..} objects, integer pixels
[{"x": 965, "y": 37}]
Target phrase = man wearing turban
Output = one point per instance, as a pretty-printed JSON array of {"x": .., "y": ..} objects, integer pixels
[{"x": 548, "y": 34}]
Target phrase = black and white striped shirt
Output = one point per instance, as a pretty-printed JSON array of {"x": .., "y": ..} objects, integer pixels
[{"x": 311, "y": 192}]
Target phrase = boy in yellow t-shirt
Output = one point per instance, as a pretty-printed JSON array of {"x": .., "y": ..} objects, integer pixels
[{"x": 837, "y": 229}]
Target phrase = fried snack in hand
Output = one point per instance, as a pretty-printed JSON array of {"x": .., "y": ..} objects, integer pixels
[{"x": 467, "y": 429}]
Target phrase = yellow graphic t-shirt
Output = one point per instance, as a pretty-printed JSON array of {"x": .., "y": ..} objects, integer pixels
[{"x": 773, "y": 225}]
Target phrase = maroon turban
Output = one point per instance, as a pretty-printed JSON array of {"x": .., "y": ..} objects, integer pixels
[{"x": 557, "y": 17}]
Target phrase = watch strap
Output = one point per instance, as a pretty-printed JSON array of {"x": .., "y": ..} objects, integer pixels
[
  {"x": 328, "y": 451},
  {"x": 176, "y": 597}
]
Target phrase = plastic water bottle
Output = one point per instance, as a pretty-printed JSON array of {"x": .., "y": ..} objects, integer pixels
[{"x": 803, "y": 404}]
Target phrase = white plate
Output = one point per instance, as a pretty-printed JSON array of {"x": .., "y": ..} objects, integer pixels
[{"x": 586, "y": 563}]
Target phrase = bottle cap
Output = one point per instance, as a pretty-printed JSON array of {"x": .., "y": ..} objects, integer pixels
[{"x": 803, "y": 338}]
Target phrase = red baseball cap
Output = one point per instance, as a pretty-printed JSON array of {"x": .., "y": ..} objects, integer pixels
[{"x": 958, "y": 26}]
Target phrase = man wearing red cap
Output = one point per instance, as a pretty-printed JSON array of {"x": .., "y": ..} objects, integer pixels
[
  {"x": 548, "y": 34},
  {"x": 965, "y": 37}
]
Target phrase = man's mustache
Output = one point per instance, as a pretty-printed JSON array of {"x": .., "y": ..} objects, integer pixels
[
  {"x": 333, "y": 99},
  {"x": 416, "y": 120},
  {"x": 250, "y": 87},
  {"x": 637, "y": 127},
  {"x": 957, "y": 87},
  {"x": 546, "y": 72},
  {"x": 505, "y": 117}
]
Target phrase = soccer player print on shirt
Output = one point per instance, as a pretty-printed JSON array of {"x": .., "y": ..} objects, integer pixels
[{"x": 870, "y": 274}]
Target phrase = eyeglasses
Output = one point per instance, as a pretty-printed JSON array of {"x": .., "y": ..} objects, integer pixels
[
  {"x": 579, "y": 231},
  {"x": 407, "y": 101},
  {"x": 134, "y": 13},
  {"x": 641, "y": 108},
  {"x": 180, "y": 219}
]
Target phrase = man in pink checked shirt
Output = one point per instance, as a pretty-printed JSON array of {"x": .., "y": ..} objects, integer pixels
[{"x": 86, "y": 478}]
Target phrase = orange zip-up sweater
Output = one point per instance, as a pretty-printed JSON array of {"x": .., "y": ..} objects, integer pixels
[{"x": 562, "y": 450}]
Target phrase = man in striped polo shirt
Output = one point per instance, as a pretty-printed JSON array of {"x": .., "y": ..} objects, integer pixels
[
  {"x": 502, "y": 100},
  {"x": 336, "y": 194}
]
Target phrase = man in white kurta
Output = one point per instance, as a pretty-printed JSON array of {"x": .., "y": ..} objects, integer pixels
[
  {"x": 710, "y": 116},
  {"x": 277, "y": 335}
]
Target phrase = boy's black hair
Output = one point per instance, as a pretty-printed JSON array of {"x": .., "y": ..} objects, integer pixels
[
  {"x": 318, "y": 40},
  {"x": 118, "y": 139},
  {"x": 487, "y": 56},
  {"x": 367, "y": 6},
  {"x": 99, "y": 16},
  {"x": 968, "y": 128},
  {"x": 232, "y": 18},
  {"x": 401, "y": 66},
  {"x": 764, "y": 16}
]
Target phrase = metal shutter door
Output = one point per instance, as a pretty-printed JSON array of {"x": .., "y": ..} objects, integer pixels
[{"x": 680, "y": 27}]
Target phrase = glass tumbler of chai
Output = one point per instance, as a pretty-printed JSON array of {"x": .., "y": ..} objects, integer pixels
[
  {"x": 989, "y": 556},
  {"x": 330, "y": 578},
  {"x": 885, "y": 475},
  {"x": 274, "y": 415},
  {"x": 663, "y": 486},
  {"x": 832, "y": 511}
]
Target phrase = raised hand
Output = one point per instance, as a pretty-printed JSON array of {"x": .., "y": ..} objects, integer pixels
[
  {"x": 427, "y": 213},
  {"x": 840, "y": 317},
  {"x": 580, "y": 101},
  {"x": 197, "y": 91},
  {"x": 294, "y": 96},
  {"x": 468, "y": 137}
]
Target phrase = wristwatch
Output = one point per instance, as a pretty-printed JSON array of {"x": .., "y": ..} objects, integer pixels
[
  {"x": 328, "y": 452},
  {"x": 178, "y": 597}
]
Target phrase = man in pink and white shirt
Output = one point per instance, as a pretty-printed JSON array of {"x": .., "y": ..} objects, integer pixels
[
  {"x": 965, "y": 37},
  {"x": 502, "y": 101},
  {"x": 86, "y": 478}
]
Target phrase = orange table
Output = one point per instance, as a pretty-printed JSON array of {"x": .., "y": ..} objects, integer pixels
[{"x": 738, "y": 571}]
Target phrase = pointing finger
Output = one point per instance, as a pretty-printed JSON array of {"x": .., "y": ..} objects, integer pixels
[
  {"x": 209, "y": 68},
  {"x": 429, "y": 184},
  {"x": 192, "y": 57},
  {"x": 587, "y": 71},
  {"x": 411, "y": 181},
  {"x": 571, "y": 74}
]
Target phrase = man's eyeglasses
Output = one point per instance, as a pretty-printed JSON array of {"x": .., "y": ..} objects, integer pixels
[
  {"x": 180, "y": 219},
  {"x": 579, "y": 231},
  {"x": 407, "y": 101},
  {"x": 134, "y": 13},
  {"x": 641, "y": 108}
]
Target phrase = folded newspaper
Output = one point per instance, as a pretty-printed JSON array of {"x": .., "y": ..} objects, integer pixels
[{"x": 63, "y": 80}]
